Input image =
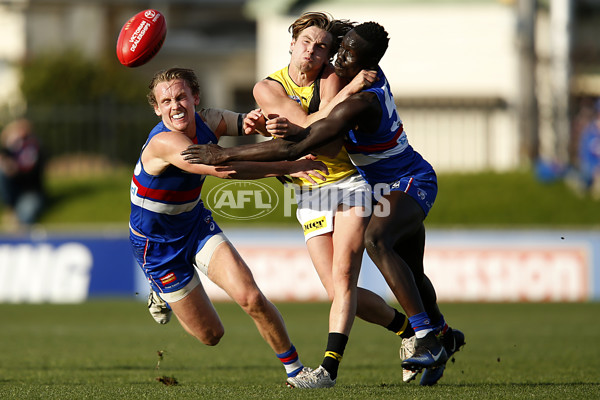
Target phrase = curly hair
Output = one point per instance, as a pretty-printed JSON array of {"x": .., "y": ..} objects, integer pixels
[
  {"x": 170, "y": 74},
  {"x": 376, "y": 36},
  {"x": 336, "y": 27}
]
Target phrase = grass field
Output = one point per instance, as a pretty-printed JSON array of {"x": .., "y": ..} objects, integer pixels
[{"x": 108, "y": 350}]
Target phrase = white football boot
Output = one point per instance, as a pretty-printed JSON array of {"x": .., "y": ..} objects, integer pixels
[
  {"x": 319, "y": 378},
  {"x": 159, "y": 309},
  {"x": 406, "y": 351}
]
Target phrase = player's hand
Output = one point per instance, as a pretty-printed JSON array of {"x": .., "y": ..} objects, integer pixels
[
  {"x": 277, "y": 126},
  {"x": 307, "y": 169},
  {"x": 280, "y": 126},
  {"x": 207, "y": 154},
  {"x": 363, "y": 80},
  {"x": 254, "y": 122}
]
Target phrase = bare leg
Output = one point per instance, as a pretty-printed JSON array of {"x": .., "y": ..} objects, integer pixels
[
  {"x": 382, "y": 236},
  {"x": 370, "y": 306},
  {"x": 320, "y": 249},
  {"x": 198, "y": 316},
  {"x": 230, "y": 272},
  {"x": 373, "y": 308},
  {"x": 348, "y": 249},
  {"x": 412, "y": 251}
]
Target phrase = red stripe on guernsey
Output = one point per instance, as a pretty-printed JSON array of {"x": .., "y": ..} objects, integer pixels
[
  {"x": 145, "y": 251},
  {"x": 144, "y": 266},
  {"x": 377, "y": 147},
  {"x": 167, "y": 195},
  {"x": 293, "y": 357},
  {"x": 409, "y": 184}
]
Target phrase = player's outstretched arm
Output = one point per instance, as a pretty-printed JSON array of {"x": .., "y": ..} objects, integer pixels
[
  {"x": 307, "y": 169},
  {"x": 343, "y": 117},
  {"x": 213, "y": 154}
]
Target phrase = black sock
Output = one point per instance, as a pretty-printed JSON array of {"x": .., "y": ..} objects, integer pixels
[
  {"x": 401, "y": 326},
  {"x": 336, "y": 344}
]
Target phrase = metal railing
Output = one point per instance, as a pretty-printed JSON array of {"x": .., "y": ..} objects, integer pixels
[{"x": 456, "y": 135}]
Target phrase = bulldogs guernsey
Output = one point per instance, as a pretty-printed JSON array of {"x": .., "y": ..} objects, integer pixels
[
  {"x": 164, "y": 206},
  {"x": 385, "y": 156}
]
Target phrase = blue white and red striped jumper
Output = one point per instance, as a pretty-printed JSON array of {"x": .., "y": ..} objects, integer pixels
[
  {"x": 384, "y": 156},
  {"x": 164, "y": 207}
]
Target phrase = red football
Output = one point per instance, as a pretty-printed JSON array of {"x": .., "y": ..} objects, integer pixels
[{"x": 141, "y": 38}]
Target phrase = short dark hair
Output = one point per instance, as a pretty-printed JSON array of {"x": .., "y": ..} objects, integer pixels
[
  {"x": 336, "y": 27},
  {"x": 339, "y": 28},
  {"x": 377, "y": 37},
  {"x": 170, "y": 74}
]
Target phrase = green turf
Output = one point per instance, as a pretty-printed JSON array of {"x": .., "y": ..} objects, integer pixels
[
  {"x": 482, "y": 200},
  {"x": 108, "y": 350}
]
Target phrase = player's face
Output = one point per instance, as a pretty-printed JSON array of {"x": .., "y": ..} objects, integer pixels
[
  {"x": 352, "y": 56},
  {"x": 310, "y": 50},
  {"x": 176, "y": 105}
]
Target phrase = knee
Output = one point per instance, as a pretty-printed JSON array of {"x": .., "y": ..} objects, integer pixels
[
  {"x": 330, "y": 295},
  {"x": 345, "y": 280},
  {"x": 375, "y": 244},
  {"x": 212, "y": 337},
  {"x": 253, "y": 302},
  {"x": 328, "y": 285}
]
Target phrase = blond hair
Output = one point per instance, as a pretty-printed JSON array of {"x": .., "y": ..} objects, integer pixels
[
  {"x": 337, "y": 28},
  {"x": 187, "y": 75}
]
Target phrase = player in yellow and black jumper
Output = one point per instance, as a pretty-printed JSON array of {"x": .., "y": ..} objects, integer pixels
[{"x": 332, "y": 213}]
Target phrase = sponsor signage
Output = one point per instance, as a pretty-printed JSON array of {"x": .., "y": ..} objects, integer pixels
[
  {"x": 467, "y": 266},
  {"x": 508, "y": 274},
  {"x": 65, "y": 269}
]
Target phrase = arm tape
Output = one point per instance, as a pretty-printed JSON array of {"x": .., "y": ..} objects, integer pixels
[
  {"x": 240, "y": 124},
  {"x": 233, "y": 120}
]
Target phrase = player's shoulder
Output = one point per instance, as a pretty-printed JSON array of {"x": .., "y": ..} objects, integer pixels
[
  {"x": 268, "y": 89},
  {"x": 161, "y": 138},
  {"x": 268, "y": 84}
]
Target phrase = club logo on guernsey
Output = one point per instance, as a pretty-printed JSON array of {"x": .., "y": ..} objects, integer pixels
[
  {"x": 209, "y": 221},
  {"x": 296, "y": 99}
]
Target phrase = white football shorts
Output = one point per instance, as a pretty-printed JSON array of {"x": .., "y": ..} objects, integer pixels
[{"x": 317, "y": 205}]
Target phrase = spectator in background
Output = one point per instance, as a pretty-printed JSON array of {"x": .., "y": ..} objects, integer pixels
[
  {"x": 21, "y": 173},
  {"x": 589, "y": 155}
]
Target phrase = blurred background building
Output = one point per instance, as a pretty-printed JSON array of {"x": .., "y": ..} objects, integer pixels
[{"x": 480, "y": 84}]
